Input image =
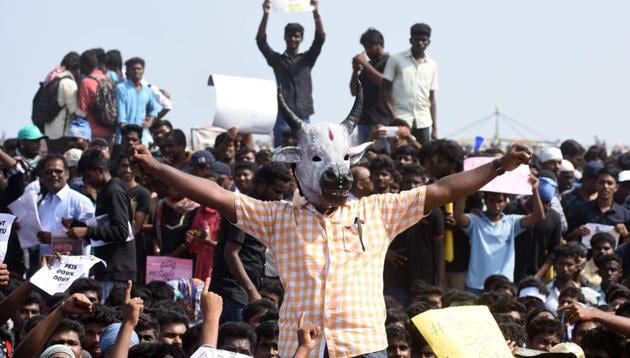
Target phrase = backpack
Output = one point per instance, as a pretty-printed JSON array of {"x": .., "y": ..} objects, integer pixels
[
  {"x": 104, "y": 107},
  {"x": 45, "y": 105}
]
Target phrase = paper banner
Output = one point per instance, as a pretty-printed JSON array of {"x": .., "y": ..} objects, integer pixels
[
  {"x": 164, "y": 268},
  {"x": 210, "y": 352},
  {"x": 512, "y": 182},
  {"x": 6, "y": 221},
  {"x": 249, "y": 104},
  {"x": 58, "y": 277},
  {"x": 67, "y": 246},
  {"x": 291, "y": 5},
  {"x": 25, "y": 209},
  {"x": 595, "y": 228},
  {"x": 466, "y": 331}
]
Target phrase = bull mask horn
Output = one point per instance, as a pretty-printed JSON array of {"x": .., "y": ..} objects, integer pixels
[
  {"x": 353, "y": 117},
  {"x": 294, "y": 122}
]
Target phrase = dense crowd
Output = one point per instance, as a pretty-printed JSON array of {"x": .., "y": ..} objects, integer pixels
[{"x": 552, "y": 267}]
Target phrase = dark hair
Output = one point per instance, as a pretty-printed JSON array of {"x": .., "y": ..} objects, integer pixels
[
  {"x": 566, "y": 250},
  {"x": 405, "y": 150},
  {"x": 391, "y": 302},
  {"x": 238, "y": 330},
  {"x": 571, "y": 148},
  {"x": 134, "y": 61},
  {"x": 100, "y": 55},
  {"x": 396, "y": 332},
  {"x": 420, "y": 29},
  {"x": 113, "y": 60},
  {"x": 260, "y": 306},
  {"x": 513, "y": 331},
  {"x": 67, "y": 325},
  {"x": 531, "y": 281},
  {"x": 596, "y": 152},
  {"x": 32, "y": 322},
  {"x": 416, "y": 308},
  {"x": 160, "y": 291},
  {"x": 623, "y": 161},
  {"x": 419, "y": 288},
  {"x": 132, "y": 128},
  {"x": 412, "y": 170},
  {"x": 191, "y": 339},
  {"x": 292, "y": 28},
  {"x": 178, "y": 137},
  {"x": 244, "y": 151},
  {"x": 171, "y": 317},
  {"x": 604, "y": 259},
  {"x": 372, "y": 37},
  {"x": 396, "y": 315},
  {"x": 543, "y": 326},
  {"x": 506, "y": 305},
  {"x": 267, "y": 330},
  {"x": 573, "y": 292},
  {"x": 623, "y": 310},
  {"x": 33, "y": 298},
  {"x": 101, "y": 314},
  {"x": 603, "y": 236},
  {"x": 93, "y": 159},
  {"x": 273, "y": 171},
  {"x": 51, "y": 157},
  {"x": 244, "y": 166},
  {"x": 71, "y": 61},
  {"x": 611, "y": 170},
  {"x": 458, "y": 298},
  {"x": 601, "y": 338},
  {"x": 273, "y": 287},
  {"x": 382, "y": 162},
  {"x": 497, "y": 282},
  {"x": 146, "y": 322},
  {"x": 156, "y": 350},
  {"x": 117, "y": 295},
  {"x": 450, "y": 150},
  {"x": 84, "y": 284},
  {"x": 617, "y": 291},
  {"x": 162, "y": 122}
]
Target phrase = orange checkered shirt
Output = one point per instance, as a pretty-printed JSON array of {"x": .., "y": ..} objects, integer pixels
[{"x": 329, "y": 271}]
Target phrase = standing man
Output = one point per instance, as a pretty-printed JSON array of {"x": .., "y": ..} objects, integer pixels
[
  {"x": 409, "y": 83},
  {"x": 369, "y": 65},
  {"x": 88, "y": 89},
  {"x": 292, "y": 68},
  {"x": 135, "y": 100}
]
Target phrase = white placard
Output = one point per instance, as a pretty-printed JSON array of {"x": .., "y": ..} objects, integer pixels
[
  {"x": 595, "y": 228},
  {"x": 6, "y": 221},
  {"x": 58, "y": 277},
  {"x": 291, "y": 5},
  {"x": 512, "y": 182},
  {"x": 25, "y": 209},
  {"x": 249, "y": 104},
  {"x": 210, "y": 352}
]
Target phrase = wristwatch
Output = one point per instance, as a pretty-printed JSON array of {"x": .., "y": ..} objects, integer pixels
[{"x": 498, "y": 167}]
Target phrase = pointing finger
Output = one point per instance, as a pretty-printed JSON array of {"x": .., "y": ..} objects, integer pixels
[
  {"x": 128, "y": 291},
  {"x": 301, "y": 320},
  {"x": 206, "y": 286}
]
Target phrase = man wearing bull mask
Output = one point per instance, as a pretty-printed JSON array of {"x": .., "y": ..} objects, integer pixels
[{"x": 330, "y": 252}]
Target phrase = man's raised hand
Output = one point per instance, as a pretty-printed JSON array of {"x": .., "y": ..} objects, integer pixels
[
  {"x": 142, "y": 156},
  {"x": 77, "y": 304},
  {"x": 132, "y": 307},
  {"x": 211, "y": 303},
  {"x": 517, "y": 155},
  {"x": 307, "y": 333},
  {"x": 266, "y": 6},
  {"x": 4, "y": 275}
]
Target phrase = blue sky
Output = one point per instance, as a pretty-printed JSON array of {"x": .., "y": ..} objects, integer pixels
[{"x": 560, "y": 67}]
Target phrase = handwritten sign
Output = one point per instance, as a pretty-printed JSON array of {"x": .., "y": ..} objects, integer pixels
[
  {"x": 6, "y": 221},
  {"x": 62, "y": 273},
  {"x": 595, "y": 228},
  {"x": 210, "y": 352},
  {"x": 291, "y": 5},
  {"x": 467, "y": 331},
  {"x": 512, "y": 182},
  {"x": 250, "y": 104},
  {"x": 164, "y": 268},
  {"x": 25, "y": 209}
]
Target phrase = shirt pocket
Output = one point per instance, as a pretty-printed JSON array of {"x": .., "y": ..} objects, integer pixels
[{"x": 352, "y": 238}]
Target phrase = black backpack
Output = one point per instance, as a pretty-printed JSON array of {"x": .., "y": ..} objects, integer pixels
[
  {"x": 45, "y": 105},
  {"x": 104, "y": 107}
]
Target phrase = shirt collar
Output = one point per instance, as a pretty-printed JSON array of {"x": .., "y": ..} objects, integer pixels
[
  {"x": 422, "y": 60},
  {"x": 63, "y": 193}
]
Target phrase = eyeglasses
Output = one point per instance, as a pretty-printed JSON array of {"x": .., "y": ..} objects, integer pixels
[{"x": 53, "y": 171}]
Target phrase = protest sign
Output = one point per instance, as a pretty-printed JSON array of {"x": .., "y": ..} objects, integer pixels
[
  {"x": 466, "y": 331},
  {"x": 595, "y": 228},
  {"x": 210, "y": 352},
  {"x": 67, "y": 246},
  {"x": 57, "y": 277},
  {"x": 6, "y": 221},
  {"x": 512, "y": 182},
  {"x": 248, "y": 104},
  {"x": 25, "y": 209},
  {"x": 164, "y": 268},
  {"x": 291, "y": 5}
]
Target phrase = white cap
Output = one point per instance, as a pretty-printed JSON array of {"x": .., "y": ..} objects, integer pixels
[
  {"x": 568, "y": 347},
  {"x": 532, "y": 292},
  {"x": 72, "y": 157},
  {"x": 550, "y": 153},
  {"x": 567, "y": 166},
  {"x": 624, "y": 176}
]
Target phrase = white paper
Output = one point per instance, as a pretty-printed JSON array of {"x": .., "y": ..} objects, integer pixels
[
  {"x": 58, "y": 277},
  {"x": 210, "y": 352},
  {"x": 6, "y": 221},
  {"x": 103, "y": 220},
  {"x": 291, "y": 5},
  {"x": 595, "y": 228},
  {"x": 512, "y": 182},
  {"x": 250, "y": 104},
  {"x": 25, "y": 209}
]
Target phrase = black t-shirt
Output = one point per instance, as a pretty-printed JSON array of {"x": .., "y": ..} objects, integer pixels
[
  {"x": 252, "y": 255},
  {"x": 140, "y": 199},
  {"x": 374, "y": 111},
  {"x": 173, "y": 228}
]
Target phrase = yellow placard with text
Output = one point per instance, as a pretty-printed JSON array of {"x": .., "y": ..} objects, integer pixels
[
  {"x": 291, "y": 5},
  {"x": 467, "y": 331}
]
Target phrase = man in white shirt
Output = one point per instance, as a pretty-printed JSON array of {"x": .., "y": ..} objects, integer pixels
[{"x": 409, "y": 84}]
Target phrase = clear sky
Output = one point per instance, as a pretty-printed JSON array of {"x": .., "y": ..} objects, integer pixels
[{"x": 560, "y": 67}]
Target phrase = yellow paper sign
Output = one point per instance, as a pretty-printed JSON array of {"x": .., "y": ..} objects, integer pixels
[
  {"x": 467, "y": 331},
  {"x": 291, "y": 5}
]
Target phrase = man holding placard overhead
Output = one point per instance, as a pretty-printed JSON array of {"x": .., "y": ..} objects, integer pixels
[{"x": 292, "y": 68}]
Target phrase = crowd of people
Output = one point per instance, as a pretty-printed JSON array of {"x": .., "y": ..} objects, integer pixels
[{"x": 553, "y": 267}]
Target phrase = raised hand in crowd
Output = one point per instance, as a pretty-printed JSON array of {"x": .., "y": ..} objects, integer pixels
[
  {"x": 4, "y": 275},
  {"x": 577, "y": 312},
  {"x": 132, "y": 307},
  {"x": 77, "y": 232},
  {"x": 211, "y": 308},
  {"x": 266, "y": 6},
  {"x": 307, "y": 333}
]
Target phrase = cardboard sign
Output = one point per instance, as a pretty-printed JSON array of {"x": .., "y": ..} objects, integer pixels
[
  {"x": 467, "y": 331},
  {"x": 6, "y": 221},
  {"x": 210, "y": 352},
  {"x": 512, "y": 182},
  {"x": 164, "y": 268},
  {"x": 62, "y": 273},
  {"x": 249, "y": 104},
  {"x": 291, "y": 5}
]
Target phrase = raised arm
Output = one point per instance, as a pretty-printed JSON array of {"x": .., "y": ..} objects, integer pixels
[
  {"x": 12, "y": 302},
  {"x": 211, "y": 307},
  {"x": 131, "y": 314},
  {"x": 575, "y": 313},
  {"x": 201, "y": 190},
  {"x": 319, "y": 26},
  {"x": 262, "y": 28},
  {"x": 461, "y": 219},
  {"x": 433, "y": 111},
  {"x": 460, "y": 185},
  {"x": 539, "y": 211}
]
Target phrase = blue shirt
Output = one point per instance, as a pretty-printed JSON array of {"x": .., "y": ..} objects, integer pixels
[
  {"x": 134, "y": 106},
  {"x": 491, "y": 247}
]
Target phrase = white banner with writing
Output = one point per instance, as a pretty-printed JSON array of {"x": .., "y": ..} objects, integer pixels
[{"x": 62, "y": 273}]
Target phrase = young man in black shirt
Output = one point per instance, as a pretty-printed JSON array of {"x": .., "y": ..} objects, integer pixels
[
  {"x": 292, "y": 68},
  {"x": 112, "y": 237}
]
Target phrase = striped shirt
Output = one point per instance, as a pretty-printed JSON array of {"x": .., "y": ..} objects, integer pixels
[{"x": 331, "y": 266}]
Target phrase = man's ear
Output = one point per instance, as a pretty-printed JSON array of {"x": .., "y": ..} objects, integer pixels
[
  {"x": 356, "y": 152},
  {"x": 288, "y": 155}
]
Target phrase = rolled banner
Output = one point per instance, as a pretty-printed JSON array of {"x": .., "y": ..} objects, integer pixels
[{"x": 449, "y": 249}]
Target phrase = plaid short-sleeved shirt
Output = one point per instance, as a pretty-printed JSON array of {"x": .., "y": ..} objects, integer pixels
[{"x": 332, "y": 265}]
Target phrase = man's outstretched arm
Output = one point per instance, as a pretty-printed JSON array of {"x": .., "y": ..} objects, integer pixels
[
  {"x": 201, "y": 190},
  {"x": 459, "y": 185}
]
